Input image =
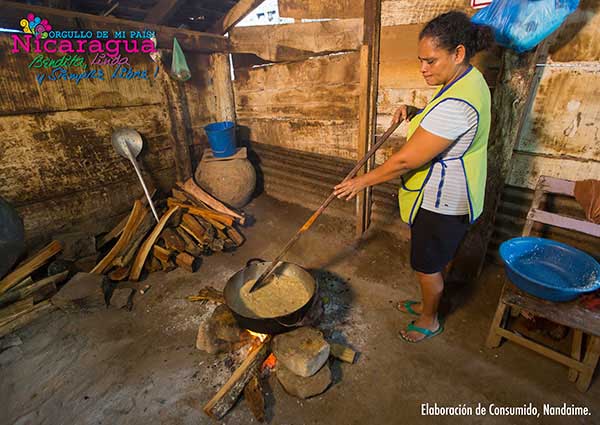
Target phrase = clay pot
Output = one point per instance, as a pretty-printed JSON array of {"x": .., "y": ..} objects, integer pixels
[{"x": 232, "y": 180}]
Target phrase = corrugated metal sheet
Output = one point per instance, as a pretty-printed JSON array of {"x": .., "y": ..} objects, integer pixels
[{"x": 307, "y": 179}]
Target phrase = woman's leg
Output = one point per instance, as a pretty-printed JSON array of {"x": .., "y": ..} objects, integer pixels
[{"x": 432, "y": 286}]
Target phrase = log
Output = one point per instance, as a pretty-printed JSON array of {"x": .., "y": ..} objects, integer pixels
[
  {"x": 118, "y": 229},
  {"x": 153, "y": 265},
  {"x": 138, "y": 264},
  {"x": 197, "y": 193},
  {"x": 204, "y": 213},
  {"x": 135, "y": 219},
  {"x": 29, "y": 266},
  {"x": 15, "y": 310},
  {"x": 255, "y": 398},
  {"x": 25, "y": 282},
  {"x": 190, "y": 246},
  {"x": 163, "y": 254},
  {"x": 185, "y": 197},
  {"x": 172, "y": 240},
  {"x": 137, "y": 239},
  {"x": 187, "y": 262},
  {"x": 119, "y": 274},
  {"x": 226, "y": 397},
  {"x": 342, "y": 352},
  {"x": 197, "y": 231},
  {"x": 36, "y": 311},
  {"x": 16, "y": 294},
  {"x": 115, "y": 232},
  {"x": 235, "y": 236}
]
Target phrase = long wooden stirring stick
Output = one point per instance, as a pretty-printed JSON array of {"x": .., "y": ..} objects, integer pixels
[{"x": 262, "y": 278}]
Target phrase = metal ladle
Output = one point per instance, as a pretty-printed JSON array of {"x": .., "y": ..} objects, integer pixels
[{"x": 128, "y": 143}]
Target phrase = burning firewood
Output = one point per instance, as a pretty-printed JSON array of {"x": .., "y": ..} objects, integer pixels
[
  {"x": 253, "y": 394},
  {"x": 226, "y": 397}
]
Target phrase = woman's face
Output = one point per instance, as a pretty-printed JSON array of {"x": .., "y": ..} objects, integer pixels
[{"x": 438, "y": 65}]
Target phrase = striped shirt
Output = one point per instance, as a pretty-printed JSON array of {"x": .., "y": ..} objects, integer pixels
[{"x": 453, "y": 120}]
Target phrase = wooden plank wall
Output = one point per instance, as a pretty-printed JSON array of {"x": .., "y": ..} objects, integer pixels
[
  {"x": 306, "y": 99},
  {"x": 58, "y": 166},
  {"x": 306, "y": 96},
  {"x": 562, "y": 136}
]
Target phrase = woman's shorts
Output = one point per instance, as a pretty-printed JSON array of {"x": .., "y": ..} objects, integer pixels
[{"x": 435, "y": 239}]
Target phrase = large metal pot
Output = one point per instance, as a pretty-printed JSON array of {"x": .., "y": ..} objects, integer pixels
[{"x": 268, "y": 325}]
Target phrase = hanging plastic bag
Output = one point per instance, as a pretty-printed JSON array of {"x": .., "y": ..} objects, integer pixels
[
  {"x": 179, "y": 67},
  {"x": 522, "y": 24}
]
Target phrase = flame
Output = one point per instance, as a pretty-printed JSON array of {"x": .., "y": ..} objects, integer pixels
[
  {"x": 259, "y": 336},
  {"x": 269, "y": 363}
]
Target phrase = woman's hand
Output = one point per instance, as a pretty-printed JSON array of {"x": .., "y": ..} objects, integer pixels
[
  {"x": 404, "y": 112},
  {"x": 349, "y": 188}
]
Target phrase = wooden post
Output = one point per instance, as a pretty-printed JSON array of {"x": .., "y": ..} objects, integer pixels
[
  {"x": 512, "y": 99},
  {"x": 220, "y": 73},
  {"x": 369, "y": 72},
  {"x": 180, "y": 124}
]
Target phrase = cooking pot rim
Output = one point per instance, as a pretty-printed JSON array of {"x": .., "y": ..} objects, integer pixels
[{"x": 314, "y": 290}]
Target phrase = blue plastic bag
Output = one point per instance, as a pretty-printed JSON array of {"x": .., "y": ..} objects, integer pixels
[{"x": 523, "y": 24}]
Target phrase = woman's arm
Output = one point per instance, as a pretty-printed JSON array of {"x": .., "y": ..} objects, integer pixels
[{"x": 422, "y": 147}]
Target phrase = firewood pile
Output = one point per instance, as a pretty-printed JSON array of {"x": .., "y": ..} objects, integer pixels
[
  {"x": 22, "y": 299},
  {"x": 192, "y": 224}
]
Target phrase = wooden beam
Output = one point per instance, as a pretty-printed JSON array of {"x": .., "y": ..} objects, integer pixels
[
  {"x": 220, "y": 75},
  {"x": 369, "y": 63},
  {"x": 162, "y": 11},
  {"x": 290, "y": 42},
  {"x": 319, "y": 9},
  {"x": 235, "y": 15},
  {"x": 179, "y": 115},
  {"x": 190, "y": 41}
]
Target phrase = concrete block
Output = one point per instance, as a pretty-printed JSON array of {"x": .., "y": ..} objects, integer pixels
[
  {"x": 303, "y": 387},
  {"x": 303, "y": 351}
]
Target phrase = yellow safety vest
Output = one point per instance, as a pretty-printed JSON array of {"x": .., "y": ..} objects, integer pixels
[{"x": 472, "y": 89}]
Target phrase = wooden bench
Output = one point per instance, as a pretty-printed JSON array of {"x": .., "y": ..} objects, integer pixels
[{"x": 585, "y": 323}]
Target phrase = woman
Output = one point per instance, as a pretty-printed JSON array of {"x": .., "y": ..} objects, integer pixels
[{"x": 443, "y": 163}]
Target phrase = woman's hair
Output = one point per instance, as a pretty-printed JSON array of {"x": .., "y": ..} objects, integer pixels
[{"x": 454, "y": 28}]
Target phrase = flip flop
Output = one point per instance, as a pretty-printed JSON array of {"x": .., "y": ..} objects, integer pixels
[
  {"x": 408, "y": 307},
  {"x": 428, "y": 334}
]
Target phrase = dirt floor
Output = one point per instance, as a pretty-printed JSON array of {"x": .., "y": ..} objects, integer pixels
[{"x": 142, "y": 367}]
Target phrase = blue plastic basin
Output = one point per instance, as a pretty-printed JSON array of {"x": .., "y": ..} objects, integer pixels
[
  {"x": 221, "y": 137},
  {"x": 548, "y": 269}
]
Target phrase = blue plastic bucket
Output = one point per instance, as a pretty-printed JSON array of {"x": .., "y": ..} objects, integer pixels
[{"x": 221, "y": 137}]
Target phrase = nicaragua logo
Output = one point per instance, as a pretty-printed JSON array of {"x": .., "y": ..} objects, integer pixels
[
  {"x": 82, "y": 49},
  {"x": 36, "y": 26}
]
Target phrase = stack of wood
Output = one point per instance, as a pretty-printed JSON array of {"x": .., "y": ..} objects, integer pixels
[
  {"x": 21, "y": 298},
  {"x": 192, "y": 224}
]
